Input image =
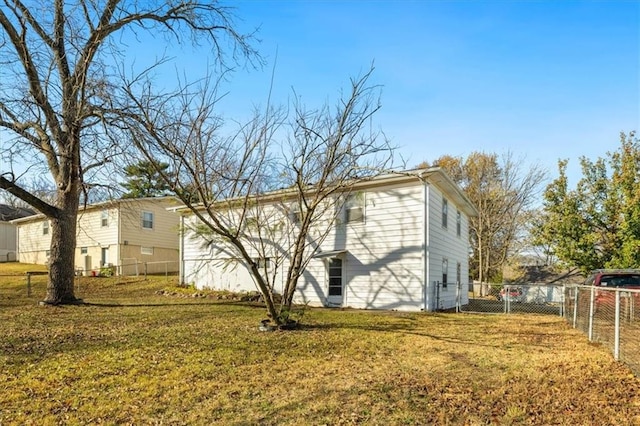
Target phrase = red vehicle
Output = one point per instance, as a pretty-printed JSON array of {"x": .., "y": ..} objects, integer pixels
[
  {"x": 512, "y": 294},
  {"x": 614, "y": 278}
]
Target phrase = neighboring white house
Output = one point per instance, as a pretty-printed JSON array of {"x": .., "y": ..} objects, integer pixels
[
  {"x": 128, "y": 234},
  {"x": 402, "y": 243},
  {"x": 8, "y": 231}
]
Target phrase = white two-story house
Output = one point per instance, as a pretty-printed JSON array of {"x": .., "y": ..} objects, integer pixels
[{"x": 402, "y": 242}]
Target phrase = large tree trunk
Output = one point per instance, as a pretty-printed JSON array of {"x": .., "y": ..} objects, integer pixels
[{"x": 62, "y": 254}]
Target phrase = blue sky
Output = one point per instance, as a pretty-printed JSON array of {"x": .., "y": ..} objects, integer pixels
[{"x": 543, "y": 79}]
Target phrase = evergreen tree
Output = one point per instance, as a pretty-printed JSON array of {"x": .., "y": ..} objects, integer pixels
[{"x": 144, "y": 180}]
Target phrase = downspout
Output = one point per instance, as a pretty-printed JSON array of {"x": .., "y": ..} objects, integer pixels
[
  {"x": 181, "y": 249},
  {"x": 18, "y": 255},
  {"x": 119, "y": 247},
  {"x": 425, "y": 245}
]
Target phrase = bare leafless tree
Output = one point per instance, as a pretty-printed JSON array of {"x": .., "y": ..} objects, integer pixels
[
  {"x": 503, "y": 189},
  {"x": 272, "y": 189},
  {"x": 60, "y": 70}
]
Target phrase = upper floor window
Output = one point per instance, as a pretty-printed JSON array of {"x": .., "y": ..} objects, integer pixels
[
  {"x": 147, "y": 220},
  {"x": 354, "y": 208},
  {"x": 294, "y": 214},
  {"x": 104, "y": 218},
  {"x": 445, "y": 209},
  {"x": 458, "y": 223},
  {"x": 45, "y": 227}
]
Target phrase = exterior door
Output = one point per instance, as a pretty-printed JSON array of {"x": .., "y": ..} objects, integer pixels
[
  {"x": 104, "y": 259},
  {"x": 335, "y": 284}
]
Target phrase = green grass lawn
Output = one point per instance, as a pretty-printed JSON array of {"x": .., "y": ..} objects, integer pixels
[{"x": 131, "y": 356}]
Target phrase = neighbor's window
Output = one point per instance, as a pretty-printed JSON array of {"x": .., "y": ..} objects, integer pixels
[
  {"x": 83, "y": 250},
  {"x": 146, "y": 250},
  {"x": 45, "y": 227},
  {"x": 458, "y": 223},
  {"x": 104, "y": 218},
  {"x": 147, "y": 220},
  {"x": 445, "y": 209},
  {"x": 354, "y": 208}
]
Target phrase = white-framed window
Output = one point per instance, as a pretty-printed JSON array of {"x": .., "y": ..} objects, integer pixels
[
  {"x": 294, "y": 214},
  {"x": 354, "y": 208},
  {"x": 445, "y": 211},
  {"x": 251, "y": 222},
  {"x": 84, "y": 250},
  {"x": 458, "y": 223},
  {"x": 104, "y": 218},
  {"x": 445, "y": 270},
  {"x": 146, "y": 250},
  {"x": 147, "y": 220},
  {"x": 45, "y": 227},
  {"x": 264, "y": 263}
]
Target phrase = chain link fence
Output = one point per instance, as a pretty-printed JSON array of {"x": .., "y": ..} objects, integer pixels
[
  {"x": 520, "y": 298},
  {"x": 608, "y": 316}
]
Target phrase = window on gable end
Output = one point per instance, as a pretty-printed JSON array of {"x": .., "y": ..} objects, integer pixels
[
  {"x": 445, "y": 211},
  {"x": 445, "y": 268},
  {"x": 104, "y": 218},
  {"x": 45, "y": 227}
]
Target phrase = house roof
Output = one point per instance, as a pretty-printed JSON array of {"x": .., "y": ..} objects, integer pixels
[
  {"x": 8, "y": 213},
  {"x": 99, "y": 206},
  {"x": 432, "y": 175}
]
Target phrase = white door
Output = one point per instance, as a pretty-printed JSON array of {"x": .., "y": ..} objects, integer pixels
[{"x": 335, "y": 282}]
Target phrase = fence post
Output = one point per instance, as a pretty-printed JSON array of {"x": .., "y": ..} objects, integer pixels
[
  {"x": 591, "y": 312},
  {"x": 166, "y": 270},
  {"x": 28, "y": 284},
  {"x": 507, "y": 299},
  {"x": 616, "y": 344},
  {"x": 575, "y": 306},
  {"x": 145, "y": 269}
]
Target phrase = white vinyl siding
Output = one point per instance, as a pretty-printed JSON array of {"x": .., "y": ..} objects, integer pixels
[
  {"x": 444, "y": 243},
  {"x": 383, "y": 257}
]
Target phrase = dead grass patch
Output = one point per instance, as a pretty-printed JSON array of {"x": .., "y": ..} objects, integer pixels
[{"x": 130, "y": 356}]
